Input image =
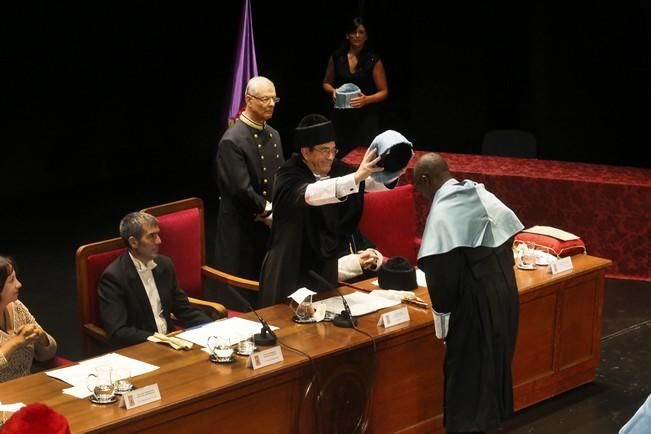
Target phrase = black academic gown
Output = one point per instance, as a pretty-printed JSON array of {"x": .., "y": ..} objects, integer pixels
[
  {"x": 477, "y": 285},
  {"x": 305, "y": 237}
]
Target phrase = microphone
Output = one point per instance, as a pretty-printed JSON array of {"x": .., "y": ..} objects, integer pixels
[
  {"x": 266, "y": 336},
  {"x": 345, "y": 318}
]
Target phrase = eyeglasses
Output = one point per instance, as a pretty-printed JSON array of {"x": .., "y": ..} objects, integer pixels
[
  {"x": 266, "y": 99},
  {"x": 327, "y": 151}
]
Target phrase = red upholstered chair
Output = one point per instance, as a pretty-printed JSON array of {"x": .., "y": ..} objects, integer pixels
[
  {"x": 389, "y": 221},
  {"x": 91, "y": 261},
  {"x": 55, "y": 362},
  {"x": 183, "y": 240}
]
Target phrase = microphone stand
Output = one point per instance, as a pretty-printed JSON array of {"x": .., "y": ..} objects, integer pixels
[
  {"x": 266, "y": 337},
  {"x": 345, "y": 318}
]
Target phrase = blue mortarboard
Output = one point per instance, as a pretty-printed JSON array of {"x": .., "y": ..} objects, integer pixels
[
  {"x": 343, "y": 95},
  {"x": 395, "y": 152}
]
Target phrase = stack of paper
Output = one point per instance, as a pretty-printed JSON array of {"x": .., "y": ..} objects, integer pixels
[{"x": 77, "y": 375}]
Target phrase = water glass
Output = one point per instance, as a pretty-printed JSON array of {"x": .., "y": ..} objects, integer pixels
[
  {"x": 220, "y": 347},
  {"x": 246, "y": 347},
  {"x": 122, "y": 380},
  {"x": 305, "y": 310},
  {"x": 529, "y": 255}
]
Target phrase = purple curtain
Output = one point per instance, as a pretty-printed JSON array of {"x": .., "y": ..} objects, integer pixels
[{"x": 245, "y": 64}]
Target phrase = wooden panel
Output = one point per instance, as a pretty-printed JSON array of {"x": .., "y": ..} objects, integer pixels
[
  {"x": 534, "y": 351},
  {"x": 577, "y": 312},
  {"x": 273, "y": 408},
  {"x": 416, "y": 397}
]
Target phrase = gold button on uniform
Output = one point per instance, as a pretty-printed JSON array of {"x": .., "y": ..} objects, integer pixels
[
  {"x": 255, "y": 135},
  {"x": 264, "y": 192}
]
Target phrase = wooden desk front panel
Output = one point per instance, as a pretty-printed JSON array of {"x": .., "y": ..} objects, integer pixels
[
  {"x": 409, "y": 384},
  {"x": 560, "y": 329},
  {"x": 275, "y": 408}
]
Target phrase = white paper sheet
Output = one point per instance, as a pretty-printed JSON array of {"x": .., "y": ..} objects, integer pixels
[
  {"x": 77, "y": 375},
  {"x": 236, "y": 329},
  {"x": 552, "y": 232},
  {"x": 360, "y": 303},
  {"x": 77, "y": 391}
]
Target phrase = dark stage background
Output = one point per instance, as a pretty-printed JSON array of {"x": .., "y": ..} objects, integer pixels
[{"x": 130, "y": 98}]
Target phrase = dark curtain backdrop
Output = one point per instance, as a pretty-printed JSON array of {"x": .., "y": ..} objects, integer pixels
[{"x": 124, "y": 98}]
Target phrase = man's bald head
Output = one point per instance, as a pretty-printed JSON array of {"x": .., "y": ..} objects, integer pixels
[
  {"x": 258, "y": 84},
  {"x": 260, "y": 97},
  {"x": 430, "y": 173}
]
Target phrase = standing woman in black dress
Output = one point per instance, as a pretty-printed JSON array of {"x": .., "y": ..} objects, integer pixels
[{"x": 355, "y": 62}]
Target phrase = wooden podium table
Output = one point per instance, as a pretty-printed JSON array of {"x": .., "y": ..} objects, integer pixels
[{"x": 342, "y": 380}]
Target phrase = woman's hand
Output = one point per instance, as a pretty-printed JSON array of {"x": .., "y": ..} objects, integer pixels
[
  {"x": 28, "y": 334},
  {"x": 359, "y": 101}
]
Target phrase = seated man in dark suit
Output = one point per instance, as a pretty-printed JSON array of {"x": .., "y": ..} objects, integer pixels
[{"x": 139, "y": 291}]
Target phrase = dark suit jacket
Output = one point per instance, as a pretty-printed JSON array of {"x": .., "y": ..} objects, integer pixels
[{"x": 125, "y": 309}]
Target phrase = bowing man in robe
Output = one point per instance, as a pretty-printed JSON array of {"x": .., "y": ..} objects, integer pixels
[
  {"x": 466, "y": 254},
  {"x": 318, "y": 202}
]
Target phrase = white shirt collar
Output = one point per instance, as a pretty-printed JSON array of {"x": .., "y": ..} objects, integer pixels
[{"x": 140, "y": 266}]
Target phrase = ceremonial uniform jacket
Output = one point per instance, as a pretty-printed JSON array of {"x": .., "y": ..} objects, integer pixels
[{"x": 247, "y": 161}]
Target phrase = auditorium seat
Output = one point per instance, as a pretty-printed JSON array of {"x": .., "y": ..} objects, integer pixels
[{"x": 509, "y": 143}]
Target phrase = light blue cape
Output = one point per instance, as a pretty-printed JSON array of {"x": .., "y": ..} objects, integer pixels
[{"x": 464, "y": 214}]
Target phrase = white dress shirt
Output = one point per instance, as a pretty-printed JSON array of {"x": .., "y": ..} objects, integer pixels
[
  {"x": 328, "y": 190},
  {"x": 147, "y": 279}
]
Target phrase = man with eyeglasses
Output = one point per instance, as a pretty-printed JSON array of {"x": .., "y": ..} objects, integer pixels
[
  {"x": 248, "y": 156},
  {"x": 318, "y": 202}
]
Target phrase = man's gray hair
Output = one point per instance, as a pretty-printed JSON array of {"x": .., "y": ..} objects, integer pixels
[
  {"x": 132, "y": 224},
  {"x": 255, "y": 83}
]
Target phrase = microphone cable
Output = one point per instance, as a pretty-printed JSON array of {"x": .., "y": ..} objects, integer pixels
[
  {"x": 308, "y": 387},
  {"x": 373, "y": 376}
]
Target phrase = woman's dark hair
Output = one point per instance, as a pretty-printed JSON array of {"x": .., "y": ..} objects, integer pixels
[
  {"x": 351, "y": 27},
  {"x": 354, "y": 23},
  {"x": 7, "y": 266}
]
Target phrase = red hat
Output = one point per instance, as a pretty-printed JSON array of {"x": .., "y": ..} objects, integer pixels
[{"x": 36, "y": 418}]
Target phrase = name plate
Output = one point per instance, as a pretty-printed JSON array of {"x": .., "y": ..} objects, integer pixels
[
  {"x": 141, "y": 396},
  {"x": 265, "y": 357},
  {"x": 564, "y": 264},
  {"x": 394, "y": 317}
]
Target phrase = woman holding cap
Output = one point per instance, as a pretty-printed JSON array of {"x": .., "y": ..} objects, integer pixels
[
  {"x": 21, "y": 338},
  {"x": 354, "y": 62}
]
